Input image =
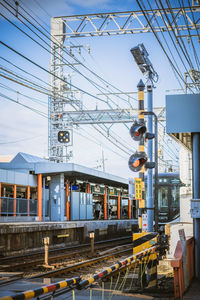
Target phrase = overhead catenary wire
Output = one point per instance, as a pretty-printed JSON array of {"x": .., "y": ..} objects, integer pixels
[
  {"x": 155, "y": 34},
  {"x": 91, "y": 71},
  {"x": 5, "y": 97},
  {"x": 38, "y": 101},
  {"x": 31, "y": 61},
  {"x": 73, "y": 67},
  {"x": 182, "y": 44},
  {"x": 183, "y": 48},
  {"x": 24, "y": 105},
  {"x": 191, "y": 39},
  {"x": 24, "y": 71}
]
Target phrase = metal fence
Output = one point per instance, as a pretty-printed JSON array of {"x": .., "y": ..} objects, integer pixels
[{"x": 18, "y": 206}]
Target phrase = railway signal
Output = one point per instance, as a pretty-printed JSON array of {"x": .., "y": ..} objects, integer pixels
[
  {"x": 137, "y": 130},
  {"x": 63, "y": 136},
  {"x": 137, "y": 161}
]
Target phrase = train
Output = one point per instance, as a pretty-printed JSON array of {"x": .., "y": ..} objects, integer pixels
[{"x": 169, "y": 185}]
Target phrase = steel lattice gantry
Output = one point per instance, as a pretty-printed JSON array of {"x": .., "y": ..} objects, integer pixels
[
  {"x": 101, "y": 24},
  {"x": 105, "y": 116}
]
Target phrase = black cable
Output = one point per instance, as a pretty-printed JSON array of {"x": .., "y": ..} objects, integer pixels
[
  {"x": 95, "y": 74},
  {"x": 75, "y": 69},
  {"x": 24, "y": 71},
  {"x": 185, "y": 53},
  {"x": 189, "y": 32},
  {"x": 42, "y": 68},
  {"x": 26, "y": 106},
  {"x": 155, "y": 34},
  {"x": 22, "y": 78},
  {"x": 40, "y": 102}
]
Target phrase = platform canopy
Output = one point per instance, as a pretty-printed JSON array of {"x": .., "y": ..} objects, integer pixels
[{"x": 31, "y": 164}]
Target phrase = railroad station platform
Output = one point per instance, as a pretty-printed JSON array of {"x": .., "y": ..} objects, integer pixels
[{"x": 24, "y": 237}]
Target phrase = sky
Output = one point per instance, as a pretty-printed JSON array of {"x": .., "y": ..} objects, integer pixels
[{"x": 23, "y": 130}]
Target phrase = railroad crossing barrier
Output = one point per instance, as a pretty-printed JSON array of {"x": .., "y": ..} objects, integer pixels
[
  {"x": 43, "y": 290},
  {"x": 142, "y": 241},
  {"x": 76, "y": 281},
  {"x": 128, "y": 261},
  {"x": 183, "y": 270}
]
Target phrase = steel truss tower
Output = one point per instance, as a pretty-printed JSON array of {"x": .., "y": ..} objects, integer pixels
[{"x": 102, "y": 24}]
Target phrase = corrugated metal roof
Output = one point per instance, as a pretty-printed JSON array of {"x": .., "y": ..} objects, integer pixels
[{"x": 26, "y": 158}]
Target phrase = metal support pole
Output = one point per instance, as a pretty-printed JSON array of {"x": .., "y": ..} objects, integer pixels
[
  {"x": 141, "y": 87},
  {"x": 196, "y": 195},
  {"x": 150, "y": 206},
  {"x": 156, "y": 166},
  {"x": 156, "y": 173}
]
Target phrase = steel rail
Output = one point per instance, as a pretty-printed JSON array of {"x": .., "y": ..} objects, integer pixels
[
  {"x": 23, "y": 265},
  {"x": 80, "y": 264},
  {"x": 38, "y": 253}
]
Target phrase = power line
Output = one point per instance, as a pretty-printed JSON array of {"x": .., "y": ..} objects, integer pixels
[
  {"x": 155, "y": 34},
  {"x": 31, "y": 61},
  {"x": 21, "y": 140},
  {"x": 74, "y": 68}
]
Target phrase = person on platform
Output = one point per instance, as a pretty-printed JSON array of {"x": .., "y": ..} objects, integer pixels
[
  {"x": 110, "y": 211},
  {"x": 97, "y": 210}
]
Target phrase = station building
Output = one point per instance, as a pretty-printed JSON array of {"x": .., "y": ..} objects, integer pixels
[
  {"x": 39, "y": 198},
  {"x": 33, "y": 188}
]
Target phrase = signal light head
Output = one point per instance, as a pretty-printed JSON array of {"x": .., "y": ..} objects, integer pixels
[
  {"x": 137, "y": 161},
  {"x": 137, "y": 131},
  {"x": 64, "y": 136}
]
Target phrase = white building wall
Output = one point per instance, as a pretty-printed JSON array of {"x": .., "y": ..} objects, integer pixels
[
  {"x": 186, "y": 178},
  {"x": 186, "y": 222}
]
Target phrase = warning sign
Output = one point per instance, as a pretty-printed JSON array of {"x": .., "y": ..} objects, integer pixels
[
  {"x": 144, "y": 222},
  {"x": 138, "y": 189}
]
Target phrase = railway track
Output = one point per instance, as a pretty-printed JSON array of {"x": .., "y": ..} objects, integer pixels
[
  {"x": 67, "y": 263},
  {"x": 30, "y": 255},
  {"x": 22, "y": 263},
  {"x": 80, "y": 265},
  {"x": 86, "y": 268}
]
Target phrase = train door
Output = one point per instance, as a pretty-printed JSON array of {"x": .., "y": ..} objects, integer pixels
[{"x": 163, "y": 202}]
